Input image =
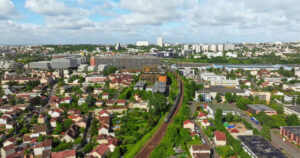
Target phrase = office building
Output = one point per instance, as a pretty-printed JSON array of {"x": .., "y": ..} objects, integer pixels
[{"x": 160, "y": 41}]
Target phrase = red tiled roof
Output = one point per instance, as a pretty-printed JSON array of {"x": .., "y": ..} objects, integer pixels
[
  {"x": 9, "y": 147},
  {"x": 121, "y": 101},
  {"x": 44, "y": 143},
  {"x": 113, "y": 141},
  {"x": 202, "y": 114},
  {"x": 103, "y": 112},
  {"x": 101, "y": 149},
  {"x": 63, "y": 154},
  {"x": 187, "y": 122},
  {"x": 220, "y": 136}
]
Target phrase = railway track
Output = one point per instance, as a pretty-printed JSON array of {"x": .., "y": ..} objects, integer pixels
[{"x": 154, "y": 141}]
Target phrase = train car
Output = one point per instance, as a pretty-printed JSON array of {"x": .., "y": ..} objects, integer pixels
[{"x": 174, "y": 106}]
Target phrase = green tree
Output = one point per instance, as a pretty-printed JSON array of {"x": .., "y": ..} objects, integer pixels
[
  {"x": 242, "y": 103},
  {"x": 292, "y": 120},
  {"x": 229, "y": 117},
  {"x": 158, "y": 102},
  {"x": 87, "y": 148},
  {"x": 59, "y": 128},
  {"x": 229, "y": 97},
  {"x": 219, "y": 118},
  {"x": 266, "y": 132},
  {"x": 200, "y": 97},
  {"x": 218, "y": 97}
]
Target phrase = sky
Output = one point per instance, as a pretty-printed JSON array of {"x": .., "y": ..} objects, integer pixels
[{"x": 128, "y": 21}]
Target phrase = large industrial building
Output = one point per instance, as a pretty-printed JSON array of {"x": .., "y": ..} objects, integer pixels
[
  {"x": 66, "y": 62},
  {"x": 258, "y": 147},
  {"x": 126, "y": 61}
]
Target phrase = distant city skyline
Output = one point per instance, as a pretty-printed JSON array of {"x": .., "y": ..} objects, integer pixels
[{"x": 128, "y": 21}]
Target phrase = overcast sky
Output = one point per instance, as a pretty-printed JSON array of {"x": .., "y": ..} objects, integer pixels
[{"x": 128, "y": 21}]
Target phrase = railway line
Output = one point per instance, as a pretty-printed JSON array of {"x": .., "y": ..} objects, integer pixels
[{"x": 157, "y": 137}]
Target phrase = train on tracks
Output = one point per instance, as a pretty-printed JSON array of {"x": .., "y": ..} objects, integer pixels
[{"x": 176, "y": 102}]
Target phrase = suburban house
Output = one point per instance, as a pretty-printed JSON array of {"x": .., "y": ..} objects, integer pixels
[
  {"x": 99, "y": 152},
  {"x": 64, "y": 154},
  {"x": 219, "y": 138},
  {"x": 105, "y": 96},
  {"x": 198, "y": 151},
  {"x": 10, "y": 141},
  {"x": 189, "y": 125},
  {"x": 103, "y": 130},
  {"x": 39, "y": 130},
  {"x": 8, "y": 150},
  {"x": 205, "y": 123},
  {"x": 121, "y": 102},
  {"x": 45, "y": 145},
  {"x": 71, "y": 134}
]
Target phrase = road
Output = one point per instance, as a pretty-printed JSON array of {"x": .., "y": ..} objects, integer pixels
[
  {"x": 157, "y": 137},
  {"x": 288, "y": 149},
  {"x": 52, "y": 93},
  {"x": 199, "y": 130}
]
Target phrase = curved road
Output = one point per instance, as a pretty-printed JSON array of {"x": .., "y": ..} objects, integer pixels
[{"x": 154, "y": 141}]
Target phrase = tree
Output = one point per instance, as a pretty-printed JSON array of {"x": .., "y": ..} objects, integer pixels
[
  {"x": 229, "y": 97},
  {"x": 87, "y": 148},
  {"x": 292, "y": 120},
  {"x": 263, "y": 118},
  {"x": 219, "y": 118},
  {"x": 218, "y": 97},
  {"x": 242, "y": 103},
  {"x": 266, "y": 132},
  {"x": 200, "y": 97},
  {"x": 229, "y": 117},
  {"x": 159, "y": 102},
  {"x": 59, "y": 128},
  {"x": 278, "y": 120},
  {"x": 36, "y": 101},
  {"x": 116, "y": 153}
]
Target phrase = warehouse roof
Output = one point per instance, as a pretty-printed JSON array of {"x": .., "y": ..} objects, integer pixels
[
  {"x": 261, "y": 147},
  {"x": 260, "y": 107}
]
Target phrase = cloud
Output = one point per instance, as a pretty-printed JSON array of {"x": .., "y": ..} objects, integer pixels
[
  {"x": 7, "y": 10},
  {"x": 47, "y": 7},
  {"x": 154, "y": 12},
  {"x": 186, "y": 21}
]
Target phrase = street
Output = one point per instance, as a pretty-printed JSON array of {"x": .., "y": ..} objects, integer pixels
[{"x": 199, "y": 130}]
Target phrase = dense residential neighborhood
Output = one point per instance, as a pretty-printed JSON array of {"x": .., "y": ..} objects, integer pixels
[{"x": 105, "y": 103}]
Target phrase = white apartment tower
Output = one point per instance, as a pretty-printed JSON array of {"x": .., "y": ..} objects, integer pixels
[
  {"x": 186, "y": 47},
  {"x": 160, "y": 41},
  {"x": 213, "y": 47},
  {"x": 220, "y": 47}
]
